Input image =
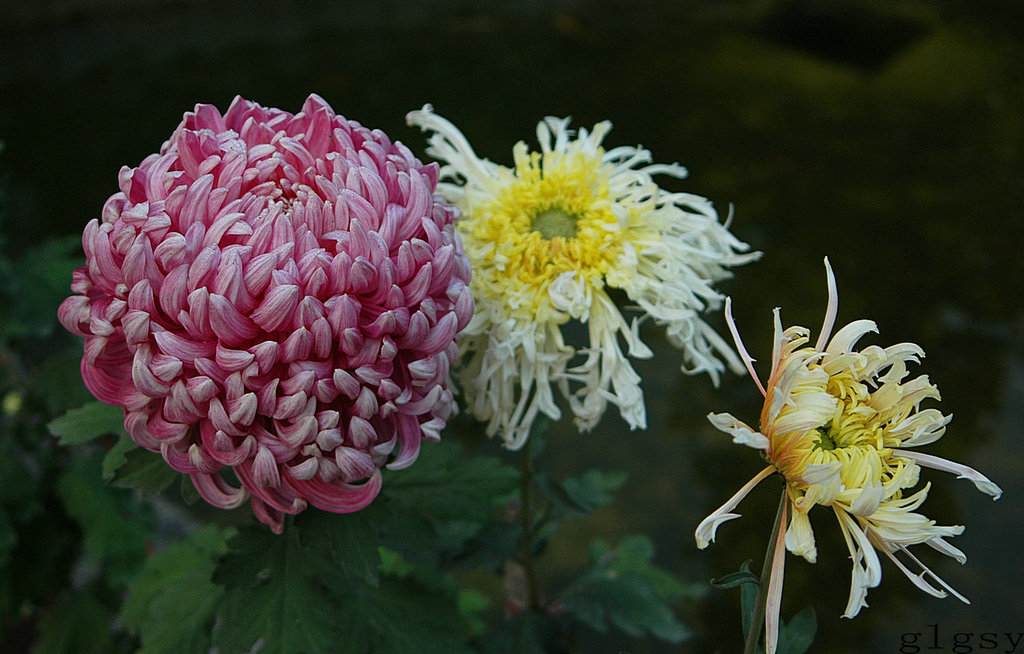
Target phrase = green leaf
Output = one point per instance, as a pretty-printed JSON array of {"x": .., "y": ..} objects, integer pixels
[
  {"x": 274, "y": 597},
  {"x": 578, "y": 497},
  {"x": 189, "y": 494},
  {"x": 114, "y": 530},
  {"x": 172, "y": 601},
  {"x": 432, "y": 511},
  {"x": 748, "y": 583},
  {"x": 115, "y": 457},
  {"x": 625, "y": 589},
  {"x": 348, "y": 539},
  {"x": 491, "y": 546},
  {"x": 130, "y": 466},
  {"x": 734, "y": 579},
  {"x": 400, "y": 616},
  {"x": 796, "y": 636},
  {"x": 87, "y": 422},
  {"x": 446, "y": 483},
  {"x": 748, "y": 599},
  {"x": 60, "y": 369},
  {"x": 472, "y": 605},
  {"x": 76, "y": 624},
  {"x": 44, "y": 272},
  {"x": 286, "y": 594}
]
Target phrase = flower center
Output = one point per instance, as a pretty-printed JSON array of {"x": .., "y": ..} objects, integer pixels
[
  {"x": 826, "y": 440},
  {"x": 553, "y": 216},
  {"x": 554, "y": 222},
  {"x": 854, "y": 426}
]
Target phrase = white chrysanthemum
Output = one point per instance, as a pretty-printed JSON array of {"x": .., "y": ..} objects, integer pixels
[
  {"x": 546, "y": 239},
  {"x": 835, "y": 424}
]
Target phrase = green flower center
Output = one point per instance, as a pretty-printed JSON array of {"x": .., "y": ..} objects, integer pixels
[
  {"x": 826, "y": 440},
  {"x": 554, "y": 222}
]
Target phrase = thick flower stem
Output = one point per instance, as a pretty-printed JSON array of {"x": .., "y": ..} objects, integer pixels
[
  {"x": 758, "y": 616},
  {"x": 527, "y": 521}
]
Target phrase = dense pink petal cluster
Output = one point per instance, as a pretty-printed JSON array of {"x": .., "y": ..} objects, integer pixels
[{"x": 276, "y": 294}]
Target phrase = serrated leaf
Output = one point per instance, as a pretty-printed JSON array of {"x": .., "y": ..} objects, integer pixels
[
  {"x": 578, "y": 497},
  {"x": 634, "y": 554},
  {"x": 624, "y": 588},
  {"x": 130, "y": 466},
  {"x": 432, "y": 511},
  {"x": 172, "y": 601},
  {"x": 274, "y": 598},
  {"x": 113, "y": 534},
  {"x": 87, "y": 422},
  {"x": 400, "y": 616},
  {"x": 115, "y": 457},
  {"x": 796, "y": 636},
  {"x": 40, "y": 285},
  {"x": 491, "y": 546},
  {"x": 348, "y": 539},
  {"x": 287, "y": 597},
  {"x": 447, "y": 483}
]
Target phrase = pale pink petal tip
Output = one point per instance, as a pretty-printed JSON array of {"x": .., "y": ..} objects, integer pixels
[{"x": 278, "y": 294}]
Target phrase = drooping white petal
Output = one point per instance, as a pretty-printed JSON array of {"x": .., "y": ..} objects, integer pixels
[
  {"x": 917, "y": 580},
  {"x": 983, "y": 483},
  {"x": 740, "y": 432},
  {"x": 926, "y": 571},
  {"x": 800, "y": 537},
  {"x": 866, "y": 571},
  {"x": 705, "y": 533},
  {"x": 941, "y": 545},
  {"x": 868, "y": 500}
]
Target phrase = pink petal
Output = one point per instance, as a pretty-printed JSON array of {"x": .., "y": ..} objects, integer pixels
[
  {"x": 217, "y": 492},
  {"x": 228, "y": 323},
  {"x": 338, "y": 497},
  {"x": 277, "y": 307}
]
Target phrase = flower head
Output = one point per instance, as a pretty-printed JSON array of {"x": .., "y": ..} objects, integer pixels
[
  {"x": 547, "y": 239},
  {"x": 835, "y": 424},
  {"x": 276, "y": 294}
]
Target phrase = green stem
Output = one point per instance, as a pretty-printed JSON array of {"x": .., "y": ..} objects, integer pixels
[
  {"x": 527, "y": 521},
  {"x": 757, "y": 617}
]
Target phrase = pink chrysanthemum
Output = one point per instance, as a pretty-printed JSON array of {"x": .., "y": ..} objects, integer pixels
[{"x": 278, "y": 294}]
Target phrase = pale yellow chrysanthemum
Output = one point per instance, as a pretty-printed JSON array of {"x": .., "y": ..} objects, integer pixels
[
  {"x": 547, "y": 239},
  {"x": 835, "y": 424}
]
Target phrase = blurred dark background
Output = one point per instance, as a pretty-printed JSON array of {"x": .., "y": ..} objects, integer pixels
[{"x": 886, "y": 135}]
